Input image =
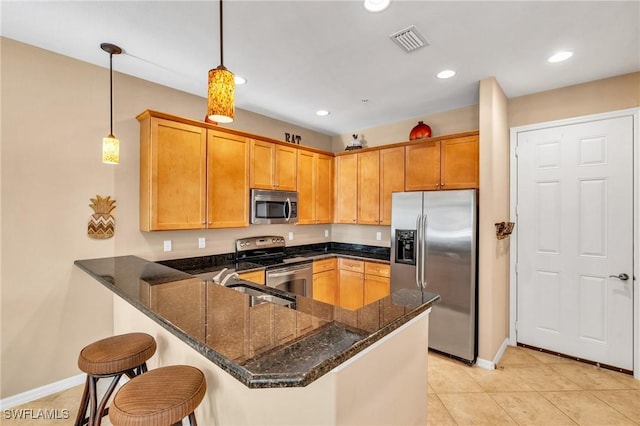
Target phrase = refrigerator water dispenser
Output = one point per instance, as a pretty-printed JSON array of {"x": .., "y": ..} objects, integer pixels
[{"x": 405, "y": 246}]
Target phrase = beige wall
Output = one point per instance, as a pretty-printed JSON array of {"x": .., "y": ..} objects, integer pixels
[
  {"x": 493, "y": 254},
  {"x": 605, "y": 95},
  {"x": 55, "y": 114}
]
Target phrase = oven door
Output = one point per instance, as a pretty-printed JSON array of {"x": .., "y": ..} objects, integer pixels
[{"x": 296, "y": 279}]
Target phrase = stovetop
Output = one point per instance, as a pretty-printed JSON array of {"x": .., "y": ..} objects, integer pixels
[{"x": 265, "y": 250}]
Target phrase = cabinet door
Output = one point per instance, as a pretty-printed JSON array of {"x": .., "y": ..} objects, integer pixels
[
  {"x": 422, "y": 166},
  {"x": 369, "y": 187},
  {"x": 325, "y": 287},
  {"x": 459, "y": 167},
  {"x": 286, "y": 159},
  {"x": 375, "y": 288},
  {"x": 391, "y": 179},
  {"x": 306, "y": 188},
  {"x": 351, "y": 295},
  {"x": 227, "y": 180},
  {"x": 172, "y": 175},
  {"x": 324, "y": 188},
  {"x": 262, "y": 164},
  {"x": 346, "y": 189}
]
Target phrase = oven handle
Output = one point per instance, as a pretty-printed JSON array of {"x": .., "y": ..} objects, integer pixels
[{"x": 274, "y": 273}]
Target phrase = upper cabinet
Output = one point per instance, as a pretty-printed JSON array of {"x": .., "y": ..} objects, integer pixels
[
  {"x": 364, "y": 183},
  {"x": 273, "y": 166},
  {"x": 315, "y": 188},
  {"x": 442, "y": 164},
  {"x": 191, "y": 177}
]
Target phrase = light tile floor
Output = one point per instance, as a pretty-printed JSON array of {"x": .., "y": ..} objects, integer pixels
[{"x": 528, "y": 388}]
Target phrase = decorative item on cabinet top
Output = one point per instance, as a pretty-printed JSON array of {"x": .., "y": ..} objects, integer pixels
[
  {"x": 357, "y": 143},
  {"x": 420, "y": 131}
]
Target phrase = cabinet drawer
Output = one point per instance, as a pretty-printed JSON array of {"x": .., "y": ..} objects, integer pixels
[
  {"x": 255, "y": 277},
  {"x": 351, "y": 265},
  {"x": 324, "y": 265},
  {"x": 379, "y": 269}
]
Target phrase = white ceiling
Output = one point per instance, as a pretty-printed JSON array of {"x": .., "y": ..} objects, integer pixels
[{"x": 301, "y": 56}]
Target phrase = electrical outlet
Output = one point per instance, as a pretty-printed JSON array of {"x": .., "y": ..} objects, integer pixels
[
  {"x": 378, "y": 235},
  {"x": 167, "y": 245},
  {"x": 290, "y": 235},
  {"x": 202, "y": 242},
  {"x": 326, "y": 232}
]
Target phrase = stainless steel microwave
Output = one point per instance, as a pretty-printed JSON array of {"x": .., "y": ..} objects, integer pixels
[{"x": 273, "y": 206}]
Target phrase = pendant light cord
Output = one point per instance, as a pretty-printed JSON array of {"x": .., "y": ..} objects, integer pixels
[
  {"x": 221, "y": 43},
  {"x": 111, "y": 94}
]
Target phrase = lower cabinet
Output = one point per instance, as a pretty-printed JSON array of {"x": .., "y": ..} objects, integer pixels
[
  {"x": 325, "y": 283},
  {"x": 350, "y": 283},
  {"x": 377, "y": 281},
  {"x": 253, "y": 276}
]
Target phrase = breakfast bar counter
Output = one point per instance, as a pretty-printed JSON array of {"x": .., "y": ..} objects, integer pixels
[{"x": 259, "y": 339}]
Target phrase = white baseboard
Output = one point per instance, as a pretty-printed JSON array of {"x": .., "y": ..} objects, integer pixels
[
  {"x": 491, "y": 365},
  {"x": 42, "y": 391}
]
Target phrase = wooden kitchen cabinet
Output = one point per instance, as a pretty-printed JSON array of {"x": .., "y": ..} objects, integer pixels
[
  {"x": 173, "y": 165},
  {"x": 443, "y": 164},
  {"x": 377, "y": 281},
  {"x": 253, "y": 276},
  {"x": 325, "y": 281},
  {"x": 191, "y": 177},
  {"x": 315, "y": 188},
  {"x": 351, "y": 283},
  {"x": 380, "y": 173},
  {"x": 346, "y": 189},
  {"x": 273, "y": 166}
]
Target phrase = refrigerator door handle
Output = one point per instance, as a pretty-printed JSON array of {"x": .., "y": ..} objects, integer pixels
[
  {"x": 423, "y": 252},
  {"x": 417, "y": 246}
]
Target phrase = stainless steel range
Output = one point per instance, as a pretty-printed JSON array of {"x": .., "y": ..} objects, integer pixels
[{"x": 290, "y": 273}]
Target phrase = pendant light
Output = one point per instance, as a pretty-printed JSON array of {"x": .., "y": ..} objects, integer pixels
[
  {"x": 110, "y": 144},
  {"x": 221, "y": 91}
]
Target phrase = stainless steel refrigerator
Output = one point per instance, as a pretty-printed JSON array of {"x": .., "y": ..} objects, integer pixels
[{"x": 433, "y": 249}]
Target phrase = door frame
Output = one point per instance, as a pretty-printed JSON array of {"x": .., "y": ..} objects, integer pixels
[{"x": 513, "y": 192}]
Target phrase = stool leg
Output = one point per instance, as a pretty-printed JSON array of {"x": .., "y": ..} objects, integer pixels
[
  {"x": 93, "y": 398},
  {"x": 103, "y": 403},
  {"x": 81, "y": 418},
  {"x": 192, "y": 419}
]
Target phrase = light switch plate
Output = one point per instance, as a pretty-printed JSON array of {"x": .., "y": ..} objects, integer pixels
[
  {"x": 167, "y": 245},
  {"x": 202, "y": 242},
  {"x": 326, "y": 232},
  {"x": 378, "y": 235},
  {"x": 290, "y": 235}
]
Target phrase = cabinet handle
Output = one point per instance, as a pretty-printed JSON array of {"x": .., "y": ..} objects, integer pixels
[{"x": 442, "y": 185}]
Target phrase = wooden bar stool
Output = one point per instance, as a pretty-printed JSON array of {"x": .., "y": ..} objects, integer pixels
[
  {"x": 161, "y": 397},
  {"x": 110, "y": 357}
]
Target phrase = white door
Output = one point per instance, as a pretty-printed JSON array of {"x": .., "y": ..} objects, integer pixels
[{"x": 575, "y": 240}]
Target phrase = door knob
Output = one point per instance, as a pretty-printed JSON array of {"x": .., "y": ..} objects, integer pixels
[{"x": 621, "y": 277}]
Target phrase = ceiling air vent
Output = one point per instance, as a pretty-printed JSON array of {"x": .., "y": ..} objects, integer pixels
[{"x": 409, "y": 39}]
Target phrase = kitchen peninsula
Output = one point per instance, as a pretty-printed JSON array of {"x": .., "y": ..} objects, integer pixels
[{"x": 276, "y": 358}]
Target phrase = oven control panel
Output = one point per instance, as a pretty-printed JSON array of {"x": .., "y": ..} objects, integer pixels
[{"x": 266, "y": 242}]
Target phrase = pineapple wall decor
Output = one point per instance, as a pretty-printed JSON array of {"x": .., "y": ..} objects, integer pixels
[{"x": 101, "y": 224}]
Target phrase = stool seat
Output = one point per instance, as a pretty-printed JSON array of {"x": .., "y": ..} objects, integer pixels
[
  {"x": 160, "y": 397},
  {"x": 117, "y": 353},
  {"x": 113, "y": 357}
]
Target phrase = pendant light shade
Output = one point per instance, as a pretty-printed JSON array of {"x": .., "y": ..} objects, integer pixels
[
  {"x": 221, "y": 95},
  {"x": 221, "y": 90},
  {"x": 110, "y": 144}
]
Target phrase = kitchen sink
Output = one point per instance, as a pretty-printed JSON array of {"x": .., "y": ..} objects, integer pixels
[{"x": 259, "y": 295}]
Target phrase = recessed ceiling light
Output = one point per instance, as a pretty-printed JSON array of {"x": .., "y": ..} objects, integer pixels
[
  {"x": 563, "y": 55},
  {"x": 446, "y": 74},
  {"x": 239, "y": 80},
  {"x": 322, "y": 112},
  {"x": 376, "y": 5}
]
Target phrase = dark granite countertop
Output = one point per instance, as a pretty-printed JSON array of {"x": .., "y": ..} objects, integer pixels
[{"x": 263, "y": 345}]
